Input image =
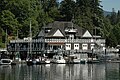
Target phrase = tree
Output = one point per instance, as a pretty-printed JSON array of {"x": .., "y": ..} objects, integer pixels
[
  {"x": 54, "y": 13},
  {"x": 111, "y": 40},
  {"x": 116, "y": 32},
  {"x": 67, "y": 9},
  {"x": 113, "y": 17},
  {"x": 106, "y": 28},
  {"x": 8, "y": 22},
  {"x": 52, "y": 9},
  {"x": 2, "y": 39},
  {"x": 85, "y": 22},
  {"x": 118, "y": 16},
  {"x": 26, "y": 11}
]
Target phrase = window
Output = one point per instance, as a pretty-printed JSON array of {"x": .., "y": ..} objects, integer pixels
[
  {"x": 77, "y": 45},
  {"x": 69, "y": 45}
]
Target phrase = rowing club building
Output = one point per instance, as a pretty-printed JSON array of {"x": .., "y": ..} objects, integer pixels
[{"x": 65, "y": 36}]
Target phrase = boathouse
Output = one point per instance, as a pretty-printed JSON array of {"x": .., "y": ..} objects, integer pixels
[{"x": 66, "y": 36}]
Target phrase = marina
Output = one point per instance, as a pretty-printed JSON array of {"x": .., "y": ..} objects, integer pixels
[
  {"x": 97, "y": 56},
  {"x": 62, "y": 43},
  {"x": 59, "y": 40}
]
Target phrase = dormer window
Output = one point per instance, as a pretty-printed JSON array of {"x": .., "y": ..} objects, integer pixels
[
  {"x": 71, "y": 36},
  {"x": 47, "y": 30}
]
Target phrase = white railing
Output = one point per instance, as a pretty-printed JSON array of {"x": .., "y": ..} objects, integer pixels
[
  {"x": 70, "y": 30},
  {"x": 99, "y": 41},
  {"x": 22, "y": 40},
  {"x": 76, "y": 40}
]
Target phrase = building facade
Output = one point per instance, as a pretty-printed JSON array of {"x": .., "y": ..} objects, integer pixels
[{"x": 58, "y": 35}]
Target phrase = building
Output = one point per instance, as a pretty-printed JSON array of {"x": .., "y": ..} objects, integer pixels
[{"x": 58, "y": 35}]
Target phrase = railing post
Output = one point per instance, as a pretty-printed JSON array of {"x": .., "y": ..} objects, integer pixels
[
  {"x": 119, "y": 53},
  {"x": 105, "y": 55}
]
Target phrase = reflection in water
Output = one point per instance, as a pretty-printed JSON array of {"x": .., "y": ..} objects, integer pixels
[{"x": 109, "y": 71}]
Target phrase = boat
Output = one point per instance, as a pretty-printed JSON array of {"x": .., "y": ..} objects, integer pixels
[
  {"x": 92, "y": 60},
  {"x": 47, "y": 61},
  {"x": 76, "y": 61},
  {"x": 30, "y": 62},
  {"x": 6, "y": 62},
  {"x": 42, "y": 61},
  {"x": 58, "y": 59},
  {"x": 72, "y": 59},
  {"x": 83, "y": 61}
]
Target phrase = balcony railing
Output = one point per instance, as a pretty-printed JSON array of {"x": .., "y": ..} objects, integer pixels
[
  {"x": 98, "y": 41},
  {"x": 26, "y": 41},
  {"x": 76, "y": 40},
  {"x": 71, "y": 30},
  {"x": 24, "y": 49}
]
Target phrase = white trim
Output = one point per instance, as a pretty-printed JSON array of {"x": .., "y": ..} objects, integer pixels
[
  {"x": 92, "y": 46},
  {"x": 87, "y": 34},
  {"x": 68, "y": 46},
  {"x": 76, "y": 46},
  {"x": 84, "y": 46},
  {"x": 58, "y": 33}
]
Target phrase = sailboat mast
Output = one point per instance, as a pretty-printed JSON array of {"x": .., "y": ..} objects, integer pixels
[
  {"x": 30, "y": 40},
  {"x": 17, "y": 34},
  {"x": 44, "y": 37},
  {"x": 6, "y": 39}
]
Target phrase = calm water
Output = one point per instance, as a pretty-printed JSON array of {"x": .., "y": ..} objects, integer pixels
[{"x": 109, "y": 71}]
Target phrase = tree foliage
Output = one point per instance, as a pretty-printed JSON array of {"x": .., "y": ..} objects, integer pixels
[
  {"x": 67, "y": 9},
  {"x": 15, "y": 15},
  {"x": 8, "y": 21}
]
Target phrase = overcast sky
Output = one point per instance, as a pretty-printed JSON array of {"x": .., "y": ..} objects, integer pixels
[{"x": 109, "y": 4}]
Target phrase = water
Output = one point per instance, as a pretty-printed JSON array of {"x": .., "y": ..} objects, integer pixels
[{"x": 109, "y": 71}]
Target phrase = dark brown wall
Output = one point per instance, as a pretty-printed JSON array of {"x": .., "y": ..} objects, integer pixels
[
  {"x": 72, "y": 45},
  {"x": 80, "y": 46},
  {"x": 89, "y": 46}
]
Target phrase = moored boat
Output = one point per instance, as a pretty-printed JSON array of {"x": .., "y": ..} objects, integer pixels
[
  {"x": 43, "y": 61},
  {"x": 76, "y": 61},
  {"x": 93, "y": 60},
  {"x": 83, "y": 61},
  {"x": 58, "y": 59},
  {"x": 6, "y": 62}
]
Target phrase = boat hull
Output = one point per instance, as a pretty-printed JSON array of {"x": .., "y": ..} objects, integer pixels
[{"x": 5, "y": 62}]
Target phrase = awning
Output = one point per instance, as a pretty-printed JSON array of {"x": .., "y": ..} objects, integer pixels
[{"x": 56, "y": 43}]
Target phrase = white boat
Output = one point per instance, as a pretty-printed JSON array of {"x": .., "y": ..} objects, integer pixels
[
  {"x": 58, "y": 59},
  {"x": 73, "y": 59},
  {"x": 92, "y": 60},
  {"x": 76, "y": 61},
  {"x": 47, "y": 61},
  {"x": 6, "y": 62},
  {"x": 83, "y": 61}
]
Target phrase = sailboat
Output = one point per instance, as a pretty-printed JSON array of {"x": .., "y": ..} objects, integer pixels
[
  {"x": 43, "y": 60},
  {"x": 5, "y": 60},
  {"x": 29, "y": 60},
  {"x": 33, "y": 61}
]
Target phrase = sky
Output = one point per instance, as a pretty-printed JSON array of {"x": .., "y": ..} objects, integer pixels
[{"x": 109, "y": 4}]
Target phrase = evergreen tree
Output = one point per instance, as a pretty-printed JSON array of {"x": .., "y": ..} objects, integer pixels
[
  {"x": 116, "y": 32},
  {"x": 8, "y": 22},
  {"x": 118, "y": 16},
  {"x": 17, "y": 14},
  {"x": 113, "y": 17},
  {"x": 67, "y": 9}
]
